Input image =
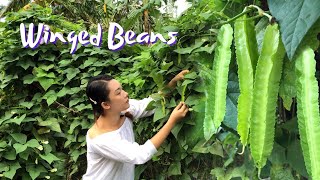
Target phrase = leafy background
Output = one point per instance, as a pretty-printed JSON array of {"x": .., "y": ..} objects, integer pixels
[{"x": 45, "y": 114}]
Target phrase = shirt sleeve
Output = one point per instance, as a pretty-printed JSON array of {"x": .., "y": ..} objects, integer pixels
[
  {"x": 125, "y": 151},
  {"x": 138, "y": 108}
]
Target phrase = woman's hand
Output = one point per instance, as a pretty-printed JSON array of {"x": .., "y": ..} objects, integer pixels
[
  {"x": 178, "y": 113},
  {"x": 172, "y": 84}
]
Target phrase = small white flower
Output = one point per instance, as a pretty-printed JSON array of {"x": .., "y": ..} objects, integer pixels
[
  {"x": 45, "y": 142},
  {"x": 54, "y": 170},
  {"x": 47, "y": 177},
  {"x": 36, "y": 161},
  {"x": 40, "y": 147}
]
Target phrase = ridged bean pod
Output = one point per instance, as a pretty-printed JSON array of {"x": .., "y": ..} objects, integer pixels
[
  {"x": 308, "y": 110},
  {"x": 247, "y": 57},
  {"x": 265, "y": 95},
  {"x": 216, "y": 92}
]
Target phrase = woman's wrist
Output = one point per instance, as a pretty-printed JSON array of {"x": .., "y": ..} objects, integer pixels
[{"x": 171, "y": 122}]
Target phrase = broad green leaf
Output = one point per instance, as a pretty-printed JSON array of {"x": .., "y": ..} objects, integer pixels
[
  {"x": 25, "y": 154},
  {"x": 4, "y": 166},
  {"x": 52, "y": 123},
  {"x": 72, "y": 72},
  {"x": 45, "y": 82},
  {"x": 19, "y": 137},
  {"x": 27, "y": 104},
  {"x": 73, "y": 125},
  {"x": 174, "y": 169},
  {"x": 89, "y": 61},
  {"x": 295, "y": 18},
  {"x": 233, "y": 93},
  {"x": 19, "y": 147},
  {"x": 158, "y": 114},
  {"x": 13, "y": 168},
  {"x": 46, "y": 67},
  {"x": 82, "y": 106},
  {"x": 73, "y": 102},
  {"x": 157, "y": 78},
  {"x": 10, "y": 154},
  {"x": 64, "y": 91},
  {"x": 198, "y": 43},
  {"x": 17, "y": 120},
  {"x": 49, "y": 157},
  {"x": 28, "y": 79},
  {"x": 295, "y": 158},
  {"x": 76, "y": 153},
  {"x": 35, "y": 170},
  {"x": 278, "y": 155},
  {"x": 280, "y": 172},
  {"x": 176, "y": 130},
  {"x": 26, "y": 64},
  {"x": 33, "y": 143},
  {"x": 3, "y": 144}
]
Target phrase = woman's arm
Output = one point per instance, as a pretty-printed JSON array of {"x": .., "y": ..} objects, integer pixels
[{"x": 173, "y": 83}]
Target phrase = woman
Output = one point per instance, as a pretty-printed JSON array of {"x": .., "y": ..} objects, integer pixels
[{"x": 111, "y": 149}]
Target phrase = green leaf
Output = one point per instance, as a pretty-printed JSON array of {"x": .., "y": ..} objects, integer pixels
[
  {"x": 13, "y": 168},
  {"x": 72, "y": 72},
  {"x": 33, "y": 143},
  {"x": 73, "y": 125},
  {"x": 176, "y": 130},
  {"x": 45, "y": 82},
  {"x": 295, "y": 18},
  {"x": 76, "y": 153},
  {"x": 35, "y": 170},
  {"x": 19, "y": 147},
  {"x": 4, "y": 166},
  {"x": 10, "y": 155},
  {"x": 18, "y": 120},
  {"x": 174, "y": 169},
  {"x": 28, "y": 79},
  {"x": 279, "y": 172},
  {"x": 49, "y": 158},
  {"x": 52, "y": 123},
  {"x": 295, "y": 158},
  {"x": 19, "y": 137},
  {"x": 3, "y": 144},
  {"x": 233, "y": 92},
  {"x": 157, "y": 78},
  {"x": 27, "y": 104},
  {"x": 90, "y": 61},
  {"x": 278, "y": 155},
  {"x": 158, "y": 114},
  {"x": 26, "y": 64}
]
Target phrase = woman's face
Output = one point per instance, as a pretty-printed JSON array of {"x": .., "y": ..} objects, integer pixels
[{"x": 119, "y": 99}]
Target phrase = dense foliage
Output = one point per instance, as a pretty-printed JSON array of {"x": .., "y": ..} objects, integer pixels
[{"x": 44, "y": 113}]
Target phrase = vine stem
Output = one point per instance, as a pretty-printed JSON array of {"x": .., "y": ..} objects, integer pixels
[
  {"x": 69, "y": 109},
  {"x": 246, "y": 11},
  {"x": 234, "y": 18}
]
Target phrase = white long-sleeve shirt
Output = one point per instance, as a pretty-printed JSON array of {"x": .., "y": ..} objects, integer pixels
[{"x": 112, "y": 155}]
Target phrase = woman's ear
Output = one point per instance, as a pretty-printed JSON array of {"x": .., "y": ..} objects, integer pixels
[{"x": 105, "y": 105}]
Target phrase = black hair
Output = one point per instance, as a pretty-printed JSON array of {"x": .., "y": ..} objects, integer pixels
[{"x": 97, "y": 92}]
